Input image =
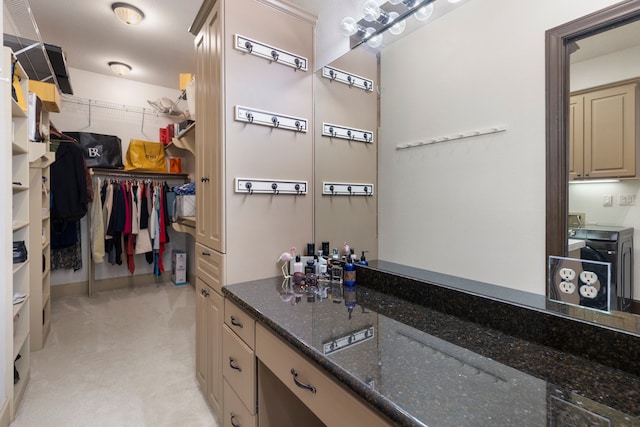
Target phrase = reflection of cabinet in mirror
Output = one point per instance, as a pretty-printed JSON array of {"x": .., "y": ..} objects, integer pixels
[{"x": 602, "y": 136}]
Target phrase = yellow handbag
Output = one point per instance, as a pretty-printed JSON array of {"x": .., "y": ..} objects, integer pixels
[{"x": 145, "y": 156}]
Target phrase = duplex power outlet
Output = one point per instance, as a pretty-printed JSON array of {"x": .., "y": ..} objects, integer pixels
[{"x": 626, "y": 199}]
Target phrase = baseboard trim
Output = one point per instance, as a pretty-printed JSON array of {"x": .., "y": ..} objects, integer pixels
[
  {"x": 82, "y": 288},
  {"x": 4, "y": 414}
]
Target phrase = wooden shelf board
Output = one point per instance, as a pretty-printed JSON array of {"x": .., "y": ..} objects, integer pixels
[
  {"x": 17, "y": 225},
  {"x": 17, "y": 267}
]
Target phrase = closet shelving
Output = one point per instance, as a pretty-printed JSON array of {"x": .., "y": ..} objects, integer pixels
[{"x": 15, "y": 130}]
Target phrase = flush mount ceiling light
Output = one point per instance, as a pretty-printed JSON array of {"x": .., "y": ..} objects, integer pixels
[
  {"x": 120, "y": 68},
  {"x": 127, "y": 13}
]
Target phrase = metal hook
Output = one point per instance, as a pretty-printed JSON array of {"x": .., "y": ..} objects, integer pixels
[
  {"x": 297, "y": 187},
  {"x": 350, "y": 80},
  {"x": 350, "y": 135},
  {"x": 298, "y": 125},
  {"x": 274, "y": 187},
  {"x": 275, "y": 55},
  {"x": 366, "y": 137},
  {"x": 249, "y": 46},
  {"x": 298, "y": 63},
  {"x": 249, "y": 186},
  {"x": 332, "y": 131},
  {"x": 349, "y": 190},
  {"x": 366, "y": 86},
  {"x": 332, "y": 74},
  {"x": 250, "y": 116},
  {"x": 332, "y": 189},
  {"x": 365, "y": 189},
  {"x": 275, "y": 121}
]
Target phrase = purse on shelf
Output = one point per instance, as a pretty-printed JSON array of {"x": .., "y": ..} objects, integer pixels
[{"x": 145, "y": 156}]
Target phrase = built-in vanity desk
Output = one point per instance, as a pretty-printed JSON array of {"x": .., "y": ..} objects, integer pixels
[{"x": 346, "y": 354}]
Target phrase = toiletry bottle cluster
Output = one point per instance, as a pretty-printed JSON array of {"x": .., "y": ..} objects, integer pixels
[{"x": 322, "y": 265}]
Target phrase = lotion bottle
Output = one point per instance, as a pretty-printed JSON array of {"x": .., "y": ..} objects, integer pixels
[{"x": 349, "y": 273}]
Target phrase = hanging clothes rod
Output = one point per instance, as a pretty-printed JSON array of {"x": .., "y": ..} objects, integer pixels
[{"x": 118, "y": 173}]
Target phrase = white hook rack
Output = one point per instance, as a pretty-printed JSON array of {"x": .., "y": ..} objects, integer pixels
[
  {"x": 346, "y": 189},
  {"x": 352, "y": 134},
  {"x": 268, "y": 118},
  {"x": 270, "y": 53},
  {"x": 347, "y": 78},
  {"x": 270, "y": 186},
  {"x": 463, "y": 135}
]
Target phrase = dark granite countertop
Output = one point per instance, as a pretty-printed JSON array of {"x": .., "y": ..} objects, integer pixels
[{"x": 419, "y": 366}]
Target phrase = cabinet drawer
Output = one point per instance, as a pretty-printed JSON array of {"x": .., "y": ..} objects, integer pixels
[
  {"x": 312, "y": 386},
  {"x": 235, "y": 413},
  {"x": 239, "y": 368},
  {"x": 210, "y": 267},
  {"x": 240, "y": 322}
]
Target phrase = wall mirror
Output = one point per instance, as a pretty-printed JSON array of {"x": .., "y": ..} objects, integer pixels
[
  {"x": 584, "y": 56},
  {"x": 558, "y": 67}
]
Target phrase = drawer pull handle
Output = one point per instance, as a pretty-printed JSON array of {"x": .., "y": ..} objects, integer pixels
[
  {"x": 234, "y": 365},
  {"x": 206, "y": 253},
  {"x": 234, "y": 423},
  {"x": 234, "y": 322},
  {"x": 311, "y": 388}
]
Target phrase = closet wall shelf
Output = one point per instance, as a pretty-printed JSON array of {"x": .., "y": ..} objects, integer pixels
[
  {"x": 19, "y": 266},
  {"x": 270, "y": 53},
  {"x": 17, "y": 225},
  {"x": 18, "y": 188},
  {"x": 18, "y": 307},
  {"x": 18, "y": 149},
  {"x": 350, "y": 79}
]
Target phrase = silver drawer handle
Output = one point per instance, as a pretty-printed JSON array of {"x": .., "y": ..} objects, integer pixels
[
  {"x": 311, "y": 388},
  {"x": 234, "y": 423},
  {"x": 234, "y": 322},
  {"x": 234, "y": 364}
]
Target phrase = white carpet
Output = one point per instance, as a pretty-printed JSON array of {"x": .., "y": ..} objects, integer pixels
[{"x": 122, "y": 358}]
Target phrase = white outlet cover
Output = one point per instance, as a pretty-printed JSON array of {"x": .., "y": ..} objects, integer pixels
[
  {"x": 588, "y": 277},
  {"x": 588, "y": 291},
  {"x": 567, "y": 287},
  {"x": 567, "y": 274},
  {"x": 607, "y": 200}
]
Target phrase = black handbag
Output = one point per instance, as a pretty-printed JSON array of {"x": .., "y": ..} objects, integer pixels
[{"x": 100, "y": 151}]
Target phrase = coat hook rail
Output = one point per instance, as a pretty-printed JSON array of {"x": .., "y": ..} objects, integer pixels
[
  {"x": 268, "y": 118},
  {"x": 344, "y": 132},
  {"x": 462, "y": 135},
  {"x": 270, "y": 53},
  {"x": 270, "y": 186},
  {"x": 350, "y": 79},
  {"x": 346, "y": 189}
]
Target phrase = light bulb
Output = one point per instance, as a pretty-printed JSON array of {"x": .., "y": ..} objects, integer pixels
[
  {"x": 394, "y": 1},
  {"x": 454, "y": 1},
  {"x": 348, "y": 26},
  {"x": 373, "y": 42},
  {"x": 398, "y": 27},
  {"x": 424, "y": 12},
  {"x": 371, "y": 11}
]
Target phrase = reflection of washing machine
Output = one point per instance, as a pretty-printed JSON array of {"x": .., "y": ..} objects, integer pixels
[{"x": 614, "y": 245}]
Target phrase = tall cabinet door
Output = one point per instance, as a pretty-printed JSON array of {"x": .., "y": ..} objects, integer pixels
[
  {"x": 576, "y": 137},
  {"x": 610, "y": 132},
  {"x": 210, "y": 219}
]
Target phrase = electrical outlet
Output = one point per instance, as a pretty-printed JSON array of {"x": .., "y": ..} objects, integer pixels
[
  {"x": 626, "y": 199},
  {"x": 588, "y": 277},
  {"x": 567, "y": 274},
  {"x": 607, "y": 200},
  {"x": 567, "y": 287},
  {"x": 588, "y": 291}
]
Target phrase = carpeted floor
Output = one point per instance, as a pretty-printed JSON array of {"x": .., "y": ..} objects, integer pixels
[{"x": 122, "y": 358}]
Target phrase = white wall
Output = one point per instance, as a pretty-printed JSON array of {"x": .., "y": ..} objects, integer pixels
[
  {"x": 126, "y": 123},
  {"x": 473, "y": 208}
]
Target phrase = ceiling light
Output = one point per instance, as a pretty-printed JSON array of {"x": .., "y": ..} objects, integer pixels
[
  {"x": 120, "y": 68},
  {"x": 398, "y": 27},
  {"x": 127, "y": 13},
  {"x": 424, "y": 12}
]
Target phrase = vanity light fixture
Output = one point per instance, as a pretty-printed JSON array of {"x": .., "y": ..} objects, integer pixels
[
  {"x": 424, "y": 13},
  {"x": 372, "y": 12},
  {"x": 454, "y": 1},
  {"x": 399, "y": 26},
  {"x": 120, "y": 68},
  {"x": 127, "y": 13}
]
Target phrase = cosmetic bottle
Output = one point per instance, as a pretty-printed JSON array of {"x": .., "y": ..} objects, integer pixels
[
  {"x": 349, "y": 273},
  {"x": 334, "y": 255},
  {"x": 363, "y": 260},
  {"x": 298, "y": 273},
  {"x": 353, "y": 256}
]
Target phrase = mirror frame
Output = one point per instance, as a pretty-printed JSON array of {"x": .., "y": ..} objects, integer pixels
[{"x": 557, "y": 115}]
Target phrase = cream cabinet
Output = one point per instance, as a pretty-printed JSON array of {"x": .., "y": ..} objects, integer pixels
[
  {"x": 17, "y": 296},
  {"x": 209, "y": 319},
  {"x": 603, "y": 133}
]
